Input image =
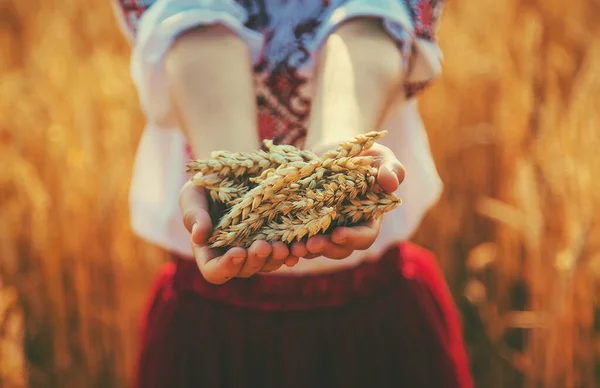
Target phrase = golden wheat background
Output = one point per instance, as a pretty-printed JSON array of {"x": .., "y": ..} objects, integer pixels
[{"x": 514, "y": 129}]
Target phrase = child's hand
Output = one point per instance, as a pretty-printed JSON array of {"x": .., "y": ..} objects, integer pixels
[
  {"x": 345, "y": 240},
  {"x": 219, "y": 266}
]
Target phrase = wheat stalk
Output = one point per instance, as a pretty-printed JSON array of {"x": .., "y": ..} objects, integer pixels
[{"x": 287, "y": 194}]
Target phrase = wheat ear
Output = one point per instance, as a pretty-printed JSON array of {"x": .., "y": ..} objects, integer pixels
[
  {"x": 371, "y": 206},
  {"x": 286, "y": 194},
  {"x": 294, "y": 228},
  {"x": 223, "y": 190}
]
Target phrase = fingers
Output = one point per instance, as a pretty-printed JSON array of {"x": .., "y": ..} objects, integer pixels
[
  {"x": 258, "y": 253},
  {"x": 390, "y": 171},
  {"x": 237, "y": 262},
  {"x": 194, "y": 210},
  {"x": 298, "y": 249},
  {"x": 358, "y": 237},
  {"x": 310, "y": 256},
  {"x": 218, "y": 270},
  {"x": 280, "y": 251},
  {"x": 291, "y": 261},
  {"x": 278, "y": 255},
  {"x": 323, "y": 246},
  {"x": 342, "y": 242},
  {"x": 316, "y": 244},
  {"x": 390, "y": 175},
  {"x": 272, "y": 265}
]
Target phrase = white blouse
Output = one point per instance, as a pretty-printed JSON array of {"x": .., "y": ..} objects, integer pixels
[{"x": 283, "y": 37}]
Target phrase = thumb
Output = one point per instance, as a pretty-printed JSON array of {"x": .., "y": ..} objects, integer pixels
[
  {"x": 194, "y": 210},
  {"x": 201, "y": 226},
  {"x": 390, "y": 175}
]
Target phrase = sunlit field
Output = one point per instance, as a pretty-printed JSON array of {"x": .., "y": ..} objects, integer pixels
[{"x": 514, "y": 126}]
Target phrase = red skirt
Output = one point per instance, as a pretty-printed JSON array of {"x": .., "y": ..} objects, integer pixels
[{"x": 392, "y": 323}]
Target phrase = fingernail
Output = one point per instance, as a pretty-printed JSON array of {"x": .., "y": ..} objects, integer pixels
[
  {"x": 237, "y": 260},
  {"x": 392, "y": 171},
  {"x": 338, "y": 239},
  {"x": 194, "y": 228},
  {"x": 316, "y": 248}
]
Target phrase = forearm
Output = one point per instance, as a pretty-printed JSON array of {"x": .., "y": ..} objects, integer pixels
[
  {"x": 359, "y": 69},
  {"x": 210, "y": 82}
]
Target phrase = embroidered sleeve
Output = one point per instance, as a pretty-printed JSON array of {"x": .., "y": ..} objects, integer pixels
[
  {"x": 129, "y": 13},
  {"x": 155, "y": 24},
  {"x": 412, "y": 23}
]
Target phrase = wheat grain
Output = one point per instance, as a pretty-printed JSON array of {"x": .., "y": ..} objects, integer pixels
[
  {"x": 289, "y": 152},
  {"x": 358, "y": 145},
  {"x": 223, "y": 190},
  {"x": 286, "y": 194},
  {"x": 291, "y": 229},
  {"x": 233, "y": 164},
  {"x": 370, "y": 207}
]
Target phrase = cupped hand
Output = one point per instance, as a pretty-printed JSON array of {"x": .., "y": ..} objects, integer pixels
[
  {"x": 216, "y": 265},
  {"x": 345, "y": 240}
]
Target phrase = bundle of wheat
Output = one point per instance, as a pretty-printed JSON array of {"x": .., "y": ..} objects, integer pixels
[{"x": 286, "y": 194}]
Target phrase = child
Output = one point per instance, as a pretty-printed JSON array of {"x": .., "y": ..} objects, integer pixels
[{"x": 356, "y": 308}]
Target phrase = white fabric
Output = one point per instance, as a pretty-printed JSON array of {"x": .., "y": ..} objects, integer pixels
[
  {"x": 396, "y": 20},
  {"x": 158, "y": 28},
  {"x": 160, "y": 162}
]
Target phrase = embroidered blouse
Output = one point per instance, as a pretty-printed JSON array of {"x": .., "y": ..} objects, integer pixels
[{"x": 283, "y": 37}]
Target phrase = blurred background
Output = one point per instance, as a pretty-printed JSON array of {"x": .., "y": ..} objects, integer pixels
[{"x": 514, "y": 129}]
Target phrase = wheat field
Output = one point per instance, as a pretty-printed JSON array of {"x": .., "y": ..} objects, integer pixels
[{"x": 514, "y": 130}]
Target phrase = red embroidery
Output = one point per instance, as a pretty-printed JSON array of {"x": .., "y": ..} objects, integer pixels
[
  {"x": 189, "y": 154},
  {"x": 283, "y": 110},
  {"x": 133, "y": 11},
  {"x": 266, "y": 125}
]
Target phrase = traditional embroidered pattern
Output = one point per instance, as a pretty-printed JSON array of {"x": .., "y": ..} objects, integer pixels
[
  {"x": 282, "y": 72},
  {"x": 132, "y": 11}
]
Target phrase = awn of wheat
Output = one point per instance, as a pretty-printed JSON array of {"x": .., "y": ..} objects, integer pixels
[{"x": 286, "y": 194}]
